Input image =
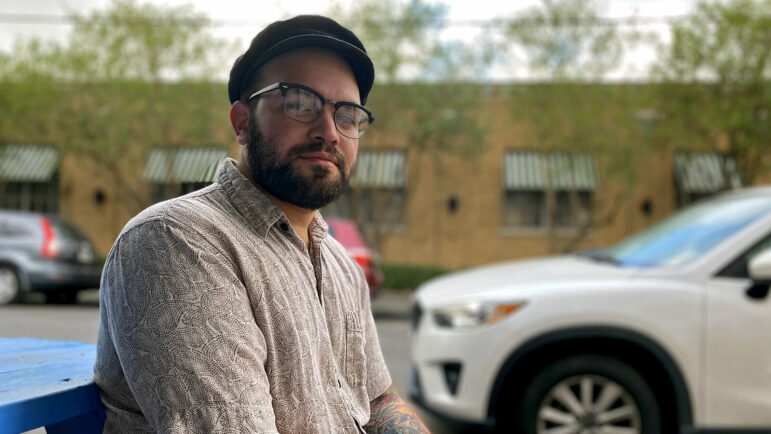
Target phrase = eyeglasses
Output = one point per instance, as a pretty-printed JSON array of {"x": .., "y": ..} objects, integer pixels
[{"x": 304, "y": 104}]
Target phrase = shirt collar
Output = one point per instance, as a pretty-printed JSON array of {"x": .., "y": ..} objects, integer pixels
[{"x": 255, "y": 206}]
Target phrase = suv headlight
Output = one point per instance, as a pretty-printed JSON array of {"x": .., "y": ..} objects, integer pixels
[{"x": 473, "y": 314}]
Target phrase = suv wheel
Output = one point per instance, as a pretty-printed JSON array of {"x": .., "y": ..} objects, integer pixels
[
  {"x": 9, "y": 284},
  {"x": 586, "y": 394}
]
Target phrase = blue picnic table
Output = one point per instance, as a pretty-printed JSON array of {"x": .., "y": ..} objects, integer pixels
[{"x": 48, "y": 383}]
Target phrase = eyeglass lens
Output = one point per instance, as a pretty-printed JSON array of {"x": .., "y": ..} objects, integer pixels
[{"x": 304, "y": 106}]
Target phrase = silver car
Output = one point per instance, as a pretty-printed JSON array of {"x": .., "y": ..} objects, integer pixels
[{"x": 40, "y": 252}]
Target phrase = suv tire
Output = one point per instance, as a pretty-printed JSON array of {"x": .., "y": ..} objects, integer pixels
[
  {"x": 10, "y": 286},
  {"x": 588, "y": 391}
]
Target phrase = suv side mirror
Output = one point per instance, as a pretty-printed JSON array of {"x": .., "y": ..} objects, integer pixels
[{"x": 760, "y": 272}]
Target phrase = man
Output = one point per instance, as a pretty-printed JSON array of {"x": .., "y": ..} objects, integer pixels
[{"x": 230, "y": 309}]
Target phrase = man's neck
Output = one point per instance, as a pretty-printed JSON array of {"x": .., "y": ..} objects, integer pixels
[{"x": 299, "y": 218}]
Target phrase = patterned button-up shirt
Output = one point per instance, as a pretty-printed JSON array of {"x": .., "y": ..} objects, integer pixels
[{"x": 217, "y": 317}]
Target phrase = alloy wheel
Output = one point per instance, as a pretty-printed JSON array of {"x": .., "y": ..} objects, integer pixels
[
  {"x": 9, "y": 285},
  {"x": 588, "y": 404}
]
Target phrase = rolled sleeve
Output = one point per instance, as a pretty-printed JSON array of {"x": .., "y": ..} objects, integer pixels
[
  {"x": 378, "y": 377},
  {"x": 184, "y": 334}
]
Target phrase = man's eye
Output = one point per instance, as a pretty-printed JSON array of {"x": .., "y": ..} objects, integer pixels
[
  {"x": 300, "y": 107},
  {"x": 349, "y": 116},
  {"x": 347, "y": 121}
]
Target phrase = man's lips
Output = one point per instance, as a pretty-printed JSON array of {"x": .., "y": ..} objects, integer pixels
[{"x": 319, "y": 157}]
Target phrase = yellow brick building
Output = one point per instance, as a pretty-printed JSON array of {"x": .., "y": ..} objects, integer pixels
[{"x": 418, "y": 206}]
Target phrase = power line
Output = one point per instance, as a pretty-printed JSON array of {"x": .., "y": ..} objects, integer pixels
[
  {"x": 35, "y": 19},
  {"x": 61, "y": 19}
]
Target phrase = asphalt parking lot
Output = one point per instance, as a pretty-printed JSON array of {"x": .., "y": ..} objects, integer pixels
[{"x": 80, "y": 322}]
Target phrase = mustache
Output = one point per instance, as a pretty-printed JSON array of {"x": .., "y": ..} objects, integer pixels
[{"x": 342, "y": 162}]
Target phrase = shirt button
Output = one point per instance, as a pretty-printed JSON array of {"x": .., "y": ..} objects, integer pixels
[{"x": 284, "y": 226}]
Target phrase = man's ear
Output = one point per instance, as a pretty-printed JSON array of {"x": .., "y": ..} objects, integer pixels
[{"x": 239, "y": 115}]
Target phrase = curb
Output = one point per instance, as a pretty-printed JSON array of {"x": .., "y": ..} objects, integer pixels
[{"x": 392, "y": 305}]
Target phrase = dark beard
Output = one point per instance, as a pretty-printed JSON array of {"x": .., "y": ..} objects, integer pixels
[{"x": 277, "y": 176}]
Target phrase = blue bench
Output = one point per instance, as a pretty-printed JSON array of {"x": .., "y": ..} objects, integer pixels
[{"x": 48, "y": 383}]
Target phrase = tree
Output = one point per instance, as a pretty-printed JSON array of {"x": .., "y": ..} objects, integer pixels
[
  {"x": 130, "y": 77},
  {"x": 715, "y": 82},
  {"x": 428, "y": 86},
  {"x": 566, "y": 40},
  {"x": 571, "y": 49},
  {"x": 397, "y": 35},
  {"x": 129, "y": 41}
]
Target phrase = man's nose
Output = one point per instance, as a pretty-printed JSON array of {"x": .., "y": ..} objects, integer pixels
[{"x": 323, "y": 128}]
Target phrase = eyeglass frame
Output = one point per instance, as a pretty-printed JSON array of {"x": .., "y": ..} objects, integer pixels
[{"x": 284, "y": 87}]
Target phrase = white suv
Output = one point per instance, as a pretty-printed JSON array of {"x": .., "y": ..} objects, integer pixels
[{"x": 668, "y": 331}]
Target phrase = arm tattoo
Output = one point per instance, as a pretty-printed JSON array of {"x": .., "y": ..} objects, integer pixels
[{"x": 389, "y": 414}]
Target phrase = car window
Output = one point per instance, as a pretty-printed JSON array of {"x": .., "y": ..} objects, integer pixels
[
  {"x": 10, "y": 229},
  {"x": 689, "y": 233},
  {"x": 738, "y": 268},
  {"x": 67, "y": 230}
]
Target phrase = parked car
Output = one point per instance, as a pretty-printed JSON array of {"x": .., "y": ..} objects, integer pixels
[
  {"x": 43, "y": 253},
  {"x": 347, "y": 233},
  {"x": 665, "y": 332}
]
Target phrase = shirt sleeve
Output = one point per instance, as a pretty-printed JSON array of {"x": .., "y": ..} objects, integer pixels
[
  {"x": 378, "y": 377},
  {"x": 184, "y": 333}
]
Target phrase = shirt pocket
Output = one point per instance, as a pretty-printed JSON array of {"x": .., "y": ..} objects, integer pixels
[{"x": 355, "y": 356}]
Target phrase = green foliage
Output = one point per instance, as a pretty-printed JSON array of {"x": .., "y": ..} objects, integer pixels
[
  {"x": 716, "y": 77},
  {"x": 721, "y": 41},
  {"x": 568, "y": 43},
  {"x": 440, "y": 117},
  {"x": 566, "y": 40},
  {"x": 436, "y": 112},
  {"x": 147, "y": 42},
  {"x": 132, "y": 77},
  {"x": 127, "y": 41},
  {"x": 397, "y": 35},
  {"x": 570, "y": 46},
  {"x": 409, "y": 277},
  {"x": 113, "y": 124},
  {"x": 573, "y": 117},
  {"x": 403, "y": 38}
]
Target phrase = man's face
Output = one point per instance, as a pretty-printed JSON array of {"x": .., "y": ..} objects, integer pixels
[
  {"x": 304, "y": 164},
  {"x": 284, "y": 175}
]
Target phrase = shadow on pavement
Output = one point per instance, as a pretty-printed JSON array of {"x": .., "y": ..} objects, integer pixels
[{"x": 86, "y": 297}]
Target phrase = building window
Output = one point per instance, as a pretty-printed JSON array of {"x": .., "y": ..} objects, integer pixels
[
  {"x": 174, "y": 172},
  {"x": 31, "y": 196},
  {"x": 524, "y": 209},
  {"x": 568, "y": 214},
  {"x": 699, "y": 175},
  {"x": 28, "y": 179},
  {"x": 376, "y": 196},
  {"x": 544, "y": 190}
]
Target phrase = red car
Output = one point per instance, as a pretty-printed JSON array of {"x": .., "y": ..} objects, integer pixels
[{"x": 347, "y": 233}]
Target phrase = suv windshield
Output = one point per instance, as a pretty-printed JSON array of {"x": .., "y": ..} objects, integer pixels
[{"x": 688, "y": 234}]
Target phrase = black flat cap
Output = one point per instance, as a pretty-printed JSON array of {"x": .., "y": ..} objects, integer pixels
[{"x": 298, "y": 32}]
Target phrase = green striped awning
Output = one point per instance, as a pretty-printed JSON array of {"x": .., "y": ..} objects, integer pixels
[
  {"x": 530, "y": 170},
  {"x": 705, "y": 172},
  {"x": 380, "y": 169},
  {"x": 28, "y": 163},
  {"x": 213, "y": 171},
  {"x": 184, "y": 165}
]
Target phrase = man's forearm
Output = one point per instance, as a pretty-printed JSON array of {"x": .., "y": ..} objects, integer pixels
[{"x": 390, "y": 414}]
